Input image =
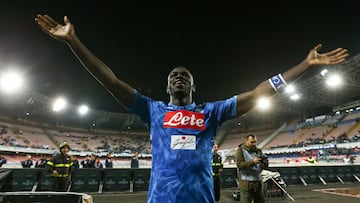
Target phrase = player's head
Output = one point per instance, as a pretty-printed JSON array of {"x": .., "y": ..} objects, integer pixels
[{"x": 180, "y": 82}]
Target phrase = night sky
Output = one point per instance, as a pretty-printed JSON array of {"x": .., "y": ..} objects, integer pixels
[{"x": 230, "y": 48}]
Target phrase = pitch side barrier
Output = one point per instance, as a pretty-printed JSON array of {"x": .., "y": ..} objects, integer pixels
[
  {"x": 92, "y": 180},
  {"x": 319, "y": 174}
]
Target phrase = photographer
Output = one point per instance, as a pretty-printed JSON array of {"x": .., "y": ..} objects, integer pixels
[{"x": 250, "y": 162}]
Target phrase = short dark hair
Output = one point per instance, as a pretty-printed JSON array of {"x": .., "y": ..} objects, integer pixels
[{"x": 250, "y": 135}]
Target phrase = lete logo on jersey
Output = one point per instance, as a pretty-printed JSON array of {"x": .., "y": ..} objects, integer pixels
[{"x": 184, "y": 119}]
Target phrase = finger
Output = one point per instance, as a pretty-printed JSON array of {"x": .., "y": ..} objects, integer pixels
[
  {"x": 43, "y": 25},
  {"x": 66, "y": 20},
  {"x": 44, "y": 20},
  {"x": 51, "y": 21},
  {"x": 317, "y": 47},
  {"x": 334, "y": 52},
  {"x": 338, "y": 59},
  {"x": 340, "y": 56}
]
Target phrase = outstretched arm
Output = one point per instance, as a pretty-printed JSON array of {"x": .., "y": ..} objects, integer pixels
[
  {"x": 99, "y": 70},
  {"x": 247, "y": 100}
]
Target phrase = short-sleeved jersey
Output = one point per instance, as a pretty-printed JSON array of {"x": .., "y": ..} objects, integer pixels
[{"x": 181, "y": 142}]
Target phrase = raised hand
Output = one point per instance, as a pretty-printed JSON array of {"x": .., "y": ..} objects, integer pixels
[
  {"x": 332, "y": 57},
  {"x": 55, "y": 29}
]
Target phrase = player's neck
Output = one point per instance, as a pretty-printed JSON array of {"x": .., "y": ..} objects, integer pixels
[{"x": 183, "y": 101}]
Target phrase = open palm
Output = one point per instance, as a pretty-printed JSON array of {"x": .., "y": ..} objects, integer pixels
[
  {"x": 332, "y": 57},
  {"x": 55, "y": 29}
]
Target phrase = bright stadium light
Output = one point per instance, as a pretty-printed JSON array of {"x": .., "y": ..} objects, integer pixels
[
  {"x": 83, "y": 109},
  {"x": 333, "y": 80},
  {"x": 59, "y": 104},
  {"x": 324, "y": 72},
  {"x": 295, "y": 97},
  {"x": 290, "y": 89},
  {"x": 11, "y": 82},
  {"x": 263, "y": 103}
]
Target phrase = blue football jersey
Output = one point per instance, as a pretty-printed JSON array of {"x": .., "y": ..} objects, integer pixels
[{"x": 181, "y": 143}]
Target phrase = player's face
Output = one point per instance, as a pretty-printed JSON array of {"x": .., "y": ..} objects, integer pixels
[{"x": 180, "y": 82}]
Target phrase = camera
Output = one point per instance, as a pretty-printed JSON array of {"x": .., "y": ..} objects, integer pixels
[{"x": 264, "y": 161}]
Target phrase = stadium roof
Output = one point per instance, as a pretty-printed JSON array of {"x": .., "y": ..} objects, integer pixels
[
  {"x": 316, "y": 99},
  {"x": 229, "y": 49}
]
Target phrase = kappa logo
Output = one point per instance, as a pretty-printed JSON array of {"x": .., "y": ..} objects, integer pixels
[{"x": 184, "y": 119}]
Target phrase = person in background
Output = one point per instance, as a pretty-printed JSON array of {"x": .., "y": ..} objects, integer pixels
[
  {"x": 109, "y": 161},
  {"x": 60, "y": 168},
  {"x": 217, "y": 167},
  {"x": 85, "y": 163},
  {"x": 2, "y": 161},
  {"x": 41, "y": 163},
  {"x": 98, "y": 163},
  {"x": 91, "y": 163},
  {"x": 182, "y": 132},
  {"x": 250, "y": 164},
  {"x": 311, "y": 161},
  {"x": 134, "y": 164},
  {"x": 75, "y": 161},
  {"x": 135, "y": 160},
  {"x": 28, "y": 162}
]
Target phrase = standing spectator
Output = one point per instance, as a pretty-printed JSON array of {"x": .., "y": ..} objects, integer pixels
[
  {"x": 311, "y": 160},
  {"x": 134, "y": 164},
  {"x": 348, "y": 159},
  {"x": 109, "y": 161},
  {"x": 85, "y": 163},
  {"x": 2, "y": 161},
  {"x": 41, "y": 162},
  {"x": 60, "y": 168},
  {"x": 75, "y": 162},
  {"x": 97, "y": 163},
  {"x": 217, "y": 167},
  {"x": 135, "y": 160},
  {"x": 28, "y": 162},
  {"x": 91, "y": 163}
]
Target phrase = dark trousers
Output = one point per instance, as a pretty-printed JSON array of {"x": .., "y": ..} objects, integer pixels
[
  {"x": 254, "y": 193},
  {"x": 217, "y": 185},
  {"x": 60, "y": 184}
]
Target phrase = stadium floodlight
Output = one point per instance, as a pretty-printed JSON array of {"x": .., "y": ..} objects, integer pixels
[
  {"x": 59, "y": 104},
  {"x": 324, "y": 72},
  {"x": 11, "y": 82},
  {"x": 295, "y": 97},
  {"x": 289, "y": 89},
  {"x": 83, "y": 109},
  {"x": 263, "y": 103},
  {"x": 333, "y": 80}
]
